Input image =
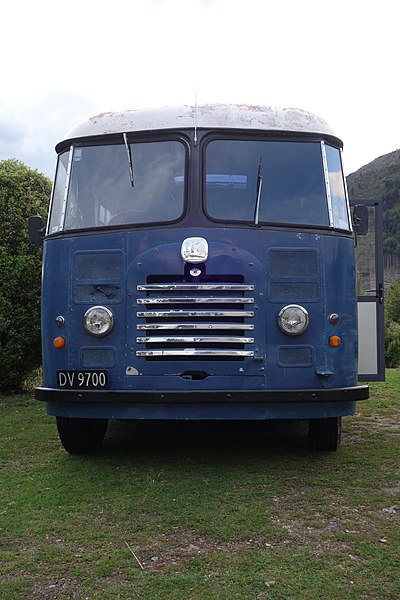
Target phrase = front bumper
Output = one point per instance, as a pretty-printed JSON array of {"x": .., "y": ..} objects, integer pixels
[
  {"x": 348, "y": 394},
  {"x": 202, "y": 405}
]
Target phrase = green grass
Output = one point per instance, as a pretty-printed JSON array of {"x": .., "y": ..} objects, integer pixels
[{"x": 210, "y": 511}]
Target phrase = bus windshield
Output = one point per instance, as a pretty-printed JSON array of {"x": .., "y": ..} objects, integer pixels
[
  {"x": 271, "y": 182},
  {"x": 117, "y": 184}
]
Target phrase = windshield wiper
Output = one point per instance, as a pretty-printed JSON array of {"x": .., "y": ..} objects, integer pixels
[
  {"x": 258, "y": 192},
  {"x": 128, "y": 151},
  {"x": 97, "y": 288}
]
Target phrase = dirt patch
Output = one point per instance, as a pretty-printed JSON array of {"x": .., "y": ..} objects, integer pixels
[
  {"x": 372, "y": 423},
  {"x": 378, "y": 423},
  {"x": 176, "y": 546},
  {"x": 63, "y": 587}
]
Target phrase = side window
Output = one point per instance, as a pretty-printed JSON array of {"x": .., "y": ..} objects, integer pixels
[
  {"x": 58, "y": 193},
  {"x": 336, "y": 185}
]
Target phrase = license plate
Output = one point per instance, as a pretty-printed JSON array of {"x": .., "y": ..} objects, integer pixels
[{"x": 87, "y": 380}]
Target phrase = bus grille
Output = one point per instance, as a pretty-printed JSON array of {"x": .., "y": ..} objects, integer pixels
[{"x": 195, "y": 321}]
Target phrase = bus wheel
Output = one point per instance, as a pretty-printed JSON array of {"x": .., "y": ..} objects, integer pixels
[
  {"x": 80, "y": 436},
  {"x": 325, "y": 434}
]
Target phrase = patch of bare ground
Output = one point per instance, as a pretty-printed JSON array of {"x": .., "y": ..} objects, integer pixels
[
  {"x": 176, "y": 546},
  {"x": 173, "y": 548},
  {"x": 54, "y": 588},
  {"x": 393, "y": 490},
  {"x": 372, "y": 423},
  {"x": 379, "y": 422},
  {"x": 332, "y": 534}
]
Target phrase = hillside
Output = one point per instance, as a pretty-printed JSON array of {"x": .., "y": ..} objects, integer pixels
[{"x": 380, "y": 180}]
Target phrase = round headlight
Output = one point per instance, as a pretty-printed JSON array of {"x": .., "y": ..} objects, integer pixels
[
  {"x": 293, "y": 319},
  {"x": 98, "y": 320}
]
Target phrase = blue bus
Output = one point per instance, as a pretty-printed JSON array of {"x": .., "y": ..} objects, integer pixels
[{"x": 199, "y": 264}]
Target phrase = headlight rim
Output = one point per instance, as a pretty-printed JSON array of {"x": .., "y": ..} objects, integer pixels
[
  {"x": 304, "y": 314},
  {"x": 109, "y": 314}
]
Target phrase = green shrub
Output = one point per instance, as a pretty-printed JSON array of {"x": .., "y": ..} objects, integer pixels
[
  {"x": 392, "y": 302},
  {"x": 23, "y": 192},
  {"x": 392, "y": 345},
  {"x": 392, "y": 326}
]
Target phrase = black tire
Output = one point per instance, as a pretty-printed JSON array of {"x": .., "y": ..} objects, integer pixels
[
  {"x": 81, "y": 436},
  {"x": 325, "y": 434}
]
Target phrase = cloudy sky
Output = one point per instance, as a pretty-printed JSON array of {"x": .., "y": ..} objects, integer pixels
[{"x": 65, "y": 61}]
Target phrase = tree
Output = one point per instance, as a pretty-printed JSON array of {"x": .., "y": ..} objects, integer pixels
[
  {"x": 391, "y": 231},
  {"x": 23, "y": 192},
  {"x": 392, "y": 302},
  {"x": 392, "y": 325}
]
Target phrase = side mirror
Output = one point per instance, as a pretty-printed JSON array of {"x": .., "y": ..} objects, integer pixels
[
  {"x": 360, "y": 219},
  {"x": 36, "y": 229}
]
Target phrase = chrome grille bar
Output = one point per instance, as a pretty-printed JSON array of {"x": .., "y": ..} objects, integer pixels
[
  {"x": 195, "y": 352},
  {"x": 195, "y": 300},
  {"x": 206, "y": 339},
  {"x": 183, "y": 314},
  {"x": 188, "y": 326},
  {"x": 190, "y": 287}
]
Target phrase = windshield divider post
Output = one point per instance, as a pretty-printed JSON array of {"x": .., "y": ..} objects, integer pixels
[
  {"x": 327, "y": 186},
  {"x": 346, "y": 193},
  {"x": 66, "y": 189}
]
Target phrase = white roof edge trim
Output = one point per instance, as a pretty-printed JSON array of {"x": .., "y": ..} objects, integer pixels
[{"x": 220, "y": 116}]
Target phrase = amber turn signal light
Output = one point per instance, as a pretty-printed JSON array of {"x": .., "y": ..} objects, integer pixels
[
  {"x": 334, "y": 341},
  {"x": 59, "y": 342}
]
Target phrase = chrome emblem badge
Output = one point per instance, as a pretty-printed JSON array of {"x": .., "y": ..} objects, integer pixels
[{"x": 194, "y": 250}]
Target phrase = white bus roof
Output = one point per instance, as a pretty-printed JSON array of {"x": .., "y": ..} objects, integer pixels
[{"x": 208, "y": 116}]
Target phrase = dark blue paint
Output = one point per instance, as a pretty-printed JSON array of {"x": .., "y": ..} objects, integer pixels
[{"x": 236, "y": 251}]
